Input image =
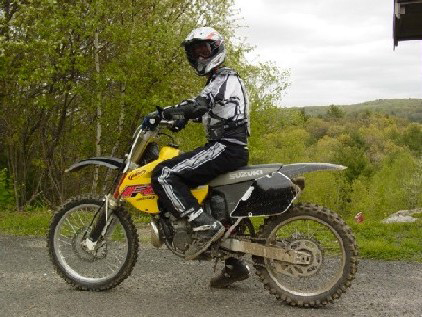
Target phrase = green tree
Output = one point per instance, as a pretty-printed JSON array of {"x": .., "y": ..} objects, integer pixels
[
  {"x": 412, "y": 138},
  {"x": 76, "y": 77},
  {"x": 389, "y": 188},
  {"x": 335, "y": 112}
]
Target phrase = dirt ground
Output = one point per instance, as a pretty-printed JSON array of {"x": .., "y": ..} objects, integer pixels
[{"x": 165, "y": 285}]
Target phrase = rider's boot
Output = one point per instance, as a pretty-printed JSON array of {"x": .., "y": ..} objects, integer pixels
[
  {"x": 207, "y": 230},
  {"x": 235, "y": 270}
]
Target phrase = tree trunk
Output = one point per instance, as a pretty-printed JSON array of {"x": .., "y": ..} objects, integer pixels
[
  {"x": 13, "y": 169},
  {"x": 99, "y": 112}
]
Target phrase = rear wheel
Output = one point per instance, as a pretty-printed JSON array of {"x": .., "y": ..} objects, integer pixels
[
  {"x": 91, "y": 268},
  {"x": 328, "y": 241}
]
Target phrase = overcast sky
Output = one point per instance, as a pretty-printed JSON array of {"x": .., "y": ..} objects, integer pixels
[{"x": 338, "y": 51}]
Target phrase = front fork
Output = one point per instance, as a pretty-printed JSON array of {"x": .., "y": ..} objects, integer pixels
[{"x": 102, "y": 223}]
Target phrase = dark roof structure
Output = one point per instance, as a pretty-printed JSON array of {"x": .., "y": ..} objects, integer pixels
[{"x": 407, "y": 24}]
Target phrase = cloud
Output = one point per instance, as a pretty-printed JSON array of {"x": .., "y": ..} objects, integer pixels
[{"x": 337, "y": 51}]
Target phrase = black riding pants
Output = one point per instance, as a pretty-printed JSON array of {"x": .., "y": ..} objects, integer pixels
[{"x": 173, "y": 179}]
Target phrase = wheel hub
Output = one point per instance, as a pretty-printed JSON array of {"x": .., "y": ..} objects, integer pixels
[
  {"x": 81, "y": 249},
  {"x": 303, "y": 244}
]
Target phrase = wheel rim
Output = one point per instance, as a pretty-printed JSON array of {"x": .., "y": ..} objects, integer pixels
[
  {"x": 77, "y": 262},
  {"x": 320, "y": 240}
]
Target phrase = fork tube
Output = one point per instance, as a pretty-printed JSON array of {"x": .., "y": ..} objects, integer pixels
[
  {"x": 99, "y": 225},
  {"x": 138, "y": 148},
  {"x": 103, "y": 220}
]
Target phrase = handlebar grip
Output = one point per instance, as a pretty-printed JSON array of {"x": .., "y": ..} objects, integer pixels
[{"x": 167, "y": 123}]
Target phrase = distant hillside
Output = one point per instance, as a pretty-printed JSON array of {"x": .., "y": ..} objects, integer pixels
[{"x": 410, "y": 109}]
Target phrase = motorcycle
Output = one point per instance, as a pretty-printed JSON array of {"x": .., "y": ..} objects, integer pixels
[{"x": 304, "y": 254}]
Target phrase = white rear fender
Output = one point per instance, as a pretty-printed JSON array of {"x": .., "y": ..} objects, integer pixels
[{"x": 296, "y": 169}]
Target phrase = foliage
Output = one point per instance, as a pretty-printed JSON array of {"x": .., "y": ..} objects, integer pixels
[
  {"x": 382, "y": 154},
  {"x": 76, "y": 78},
  {"x": 335, "y": 112},
  {"x": 410, "y": 109},
  {"x": 393, "y": 187}
]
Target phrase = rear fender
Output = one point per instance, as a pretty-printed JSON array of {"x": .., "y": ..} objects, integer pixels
[
  {"x": 296, "y": 169},
  {"x": 107, "y": 161}
]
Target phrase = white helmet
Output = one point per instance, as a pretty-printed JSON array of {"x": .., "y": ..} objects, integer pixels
[{"x": 205, "y": 50}]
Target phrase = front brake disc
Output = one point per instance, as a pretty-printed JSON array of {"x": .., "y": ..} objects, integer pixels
[{"x": 82, "y": 251}]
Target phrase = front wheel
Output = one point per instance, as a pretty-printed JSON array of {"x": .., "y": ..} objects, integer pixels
[
  {"x": 332, "y": 251},
  {"x": 91, "y": 268}
]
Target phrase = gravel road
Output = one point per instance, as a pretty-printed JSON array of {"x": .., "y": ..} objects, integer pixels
[{"x": 164, "y": 285}]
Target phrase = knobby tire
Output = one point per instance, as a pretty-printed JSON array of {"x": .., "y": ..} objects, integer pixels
[{"x": 132, "y": 241}]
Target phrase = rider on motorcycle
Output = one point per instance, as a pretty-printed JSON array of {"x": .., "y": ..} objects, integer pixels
[{"x": 223, "y": 108}]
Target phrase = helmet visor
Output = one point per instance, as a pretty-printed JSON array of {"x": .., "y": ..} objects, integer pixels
[{"x": 199, "y": 49}]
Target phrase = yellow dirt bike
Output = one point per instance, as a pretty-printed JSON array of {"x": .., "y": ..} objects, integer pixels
[{"x": 303, "y": 253}]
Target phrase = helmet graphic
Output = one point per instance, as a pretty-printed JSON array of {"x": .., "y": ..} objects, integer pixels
[{"x": 204, "y": 48}]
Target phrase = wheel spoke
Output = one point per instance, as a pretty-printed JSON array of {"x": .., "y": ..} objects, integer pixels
[
  {"x": 80, "y": 219},
  {"x": 64, "y": 240},
  {"x": 70, "y": 225}
]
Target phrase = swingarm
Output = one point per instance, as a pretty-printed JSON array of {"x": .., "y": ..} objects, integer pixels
[{"x": 274, "y": 253}]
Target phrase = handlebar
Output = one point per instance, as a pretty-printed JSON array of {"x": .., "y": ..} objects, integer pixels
[{"x": 166, "y": 123}]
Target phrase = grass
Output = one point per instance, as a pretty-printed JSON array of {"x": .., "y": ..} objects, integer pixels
[
  {"x": 393, "y": 241},
  {"x": 36, "y": 222},
  {"x": 29, "y": 223},
  {"x": 417, "y": 215}
]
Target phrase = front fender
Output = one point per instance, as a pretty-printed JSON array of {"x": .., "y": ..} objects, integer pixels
[{"x": 107, "y": 161}]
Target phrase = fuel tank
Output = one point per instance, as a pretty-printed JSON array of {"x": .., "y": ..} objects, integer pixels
[{"x": 136, "y": 187}]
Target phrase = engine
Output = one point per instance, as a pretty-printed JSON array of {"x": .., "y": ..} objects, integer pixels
[
  {"x": 182, "y": 238},
  {"x": 176, "y": 233}
]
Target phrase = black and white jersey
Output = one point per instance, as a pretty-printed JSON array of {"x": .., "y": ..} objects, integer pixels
[{"x": 228, "y": 107}]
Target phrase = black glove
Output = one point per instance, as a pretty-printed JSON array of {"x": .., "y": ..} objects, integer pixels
[
  {"x": 187, "y": 109},
  {"x": 187, "y": 103},
  {"x": 178, "y": 125},
  {"x": 151, "y": 120}
]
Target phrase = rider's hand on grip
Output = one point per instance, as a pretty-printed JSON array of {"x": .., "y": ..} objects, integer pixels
[
  {"x": 178, "y": 125},
  {"x": 187, "y": 102}
]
